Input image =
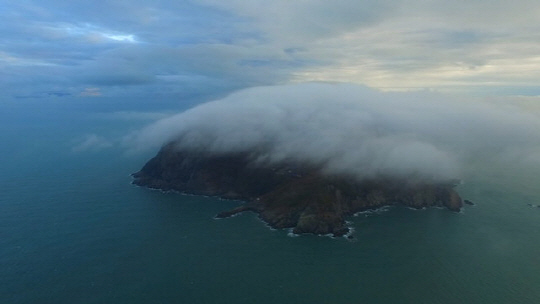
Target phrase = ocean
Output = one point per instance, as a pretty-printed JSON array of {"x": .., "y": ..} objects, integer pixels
[{"x": 74, "y": 230}]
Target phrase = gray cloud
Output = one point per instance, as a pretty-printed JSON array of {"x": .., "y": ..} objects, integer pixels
[
  {"x": 205, "y": 48},
  {"x": 301, "y": 21},
  {"x": 132, "y": 46},
  {"x": 356, "y": 130},
  {"x": 404, "y": 44}
]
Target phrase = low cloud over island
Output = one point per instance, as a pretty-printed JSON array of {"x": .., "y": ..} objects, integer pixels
[{"x": 356, "y": 130}]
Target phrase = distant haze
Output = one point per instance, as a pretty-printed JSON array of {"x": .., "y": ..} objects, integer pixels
[{"x": 355, "y": 130}]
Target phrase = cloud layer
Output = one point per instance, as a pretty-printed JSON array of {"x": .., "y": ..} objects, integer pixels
[
  {"x": 200, "y": 49},
  {"x": 355, "y": 130}
]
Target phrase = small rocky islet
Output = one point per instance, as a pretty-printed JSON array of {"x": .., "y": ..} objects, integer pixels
[{"x": 288, "y": 195}]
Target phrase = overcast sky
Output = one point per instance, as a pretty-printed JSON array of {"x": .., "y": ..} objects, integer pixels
[{"x": 203, "y": 48}]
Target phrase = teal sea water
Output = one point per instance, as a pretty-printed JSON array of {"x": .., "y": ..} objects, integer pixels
[{"x": 74, "y": 230}]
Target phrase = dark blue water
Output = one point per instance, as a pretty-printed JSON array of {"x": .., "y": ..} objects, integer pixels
[{"x": 73, "y": 230}]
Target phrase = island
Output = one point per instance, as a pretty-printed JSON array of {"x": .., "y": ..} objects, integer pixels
[{"x": 300, "y": 196}]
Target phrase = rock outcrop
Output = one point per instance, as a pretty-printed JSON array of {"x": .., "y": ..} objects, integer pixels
[{"x": 287, "y": 195}]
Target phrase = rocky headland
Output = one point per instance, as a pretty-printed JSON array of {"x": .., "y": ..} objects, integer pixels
[{"x": 288, "y": 195}]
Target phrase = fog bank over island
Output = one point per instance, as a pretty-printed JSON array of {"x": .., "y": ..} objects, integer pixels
[{"x": 354, "y": 130}]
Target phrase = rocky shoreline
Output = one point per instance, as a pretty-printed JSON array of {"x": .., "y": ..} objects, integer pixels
[{"x": 287, "y": 195}]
